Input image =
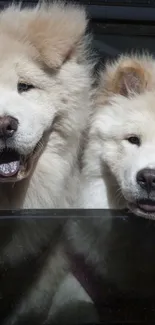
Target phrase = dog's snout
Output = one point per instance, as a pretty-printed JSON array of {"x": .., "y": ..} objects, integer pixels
[
  {"x": 146, "y": 179},
  {"x": 8, "y": 126}
]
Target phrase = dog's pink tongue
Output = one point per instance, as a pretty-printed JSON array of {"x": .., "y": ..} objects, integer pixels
[
  {"x": 9, "y": 169},
  {"x": 147, "y": 207}
]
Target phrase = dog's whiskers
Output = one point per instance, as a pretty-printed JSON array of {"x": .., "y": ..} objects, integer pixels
[{"x": 118, "y": 195}]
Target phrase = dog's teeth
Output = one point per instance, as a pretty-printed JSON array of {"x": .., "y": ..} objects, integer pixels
[{"x": 9, "y": 169}]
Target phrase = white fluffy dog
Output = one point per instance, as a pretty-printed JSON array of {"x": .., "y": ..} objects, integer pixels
[
  {"x": 44, "y": 99},
  {"x": 119, "y": 161}
]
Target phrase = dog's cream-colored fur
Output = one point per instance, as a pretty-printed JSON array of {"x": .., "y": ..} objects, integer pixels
[
  {"x": 124, "y": 107},
  {"x": 45, "y": 46}
]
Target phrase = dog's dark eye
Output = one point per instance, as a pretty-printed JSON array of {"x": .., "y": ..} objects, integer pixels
[
  {"x": 22, "y": 87},
  {"x": 134, "y": 140}
]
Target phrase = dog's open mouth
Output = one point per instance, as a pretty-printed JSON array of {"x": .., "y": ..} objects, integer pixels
[
  {"x": 9, "y": 163},
  {"x": 143, "y": 207},
  {"x": 13, "y": 166},
  {"x": 146, "y": 205}
]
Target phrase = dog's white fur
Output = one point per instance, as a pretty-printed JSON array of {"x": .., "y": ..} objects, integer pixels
[
  {"x": 124, "y": 107},
  {"x": 46, "y": 47}
]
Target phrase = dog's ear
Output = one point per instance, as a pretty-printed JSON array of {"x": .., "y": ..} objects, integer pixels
[
  {"x": 130, "y": 79},
  {"x": 126, "y": 76},
  {"x": 56, "y": 31}
]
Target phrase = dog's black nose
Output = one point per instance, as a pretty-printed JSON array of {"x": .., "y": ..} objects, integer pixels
[
  {"x": 146, "y": 179},
  {"x": 8, "y": 126}
]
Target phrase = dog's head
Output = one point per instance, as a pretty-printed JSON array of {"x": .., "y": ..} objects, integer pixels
[
  {"x": 41, "y": 51},
  {"x": 125, "y": 124}
]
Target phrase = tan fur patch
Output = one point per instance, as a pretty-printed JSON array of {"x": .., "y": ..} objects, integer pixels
[
  {"x": 54, "y": 30},
  {"x": 126, "y": 76},
  {"x": 130, "y": 79}
]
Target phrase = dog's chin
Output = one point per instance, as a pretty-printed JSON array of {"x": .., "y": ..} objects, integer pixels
[
  {"x": 15, "y": 167},
  {"x": 143, "y": 208}
]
